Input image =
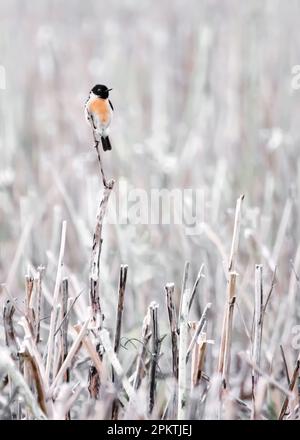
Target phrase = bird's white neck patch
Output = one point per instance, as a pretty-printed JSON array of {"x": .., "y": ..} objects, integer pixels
[{"x": 93, "y": 96}]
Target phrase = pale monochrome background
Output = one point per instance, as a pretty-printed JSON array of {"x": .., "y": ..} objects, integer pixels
[{"x": 203, "y": 99}]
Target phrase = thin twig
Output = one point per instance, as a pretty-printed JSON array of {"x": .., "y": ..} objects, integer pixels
[
  {"x": 122, "y": 285},
  {"x": 182, "y": 367},
  {"x": 67, "y": 361},
  {"x": 194, "y": 289},
  {"x": 173, "y": 326},
  {"x": 140, "y": 368},
  {"x": 258, "y": 320},
  {"x": 156, "y": 341},
  {"x": 198, "y": 330},
  {"x": 291, "y": 387},
  {"x": 55, "y": 299}
]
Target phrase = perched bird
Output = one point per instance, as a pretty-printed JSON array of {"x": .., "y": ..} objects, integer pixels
[{"x": 99, "y": 112}]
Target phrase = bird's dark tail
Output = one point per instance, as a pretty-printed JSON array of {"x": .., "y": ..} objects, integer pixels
[{"x": 106, "y": 143}]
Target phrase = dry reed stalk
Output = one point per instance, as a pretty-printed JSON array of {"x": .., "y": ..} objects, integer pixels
[
  {"x": 65, "y": 323},
  {"x": 198, "y": 330},
  {"x": 106, "y": 184},
  {"x": 29, "y": 311},
  {"x": 268, "y": 378},
  {"x": 198, "y": 359},
  {"x": 122, "y": 286},
  {"x": 156, "y": 341},
  {"x": 194, "y": 289},
  {"x": 38, "y": 380},
  {"x": 173, "y": 326},
  {"x": 286, "y": 370},
  {"x": 29, "y": 314},
  {"x": 291, "y": 388},
  {"x": 183, "y": 345},
  {"x": 117, "y": 338},
  {"x": 30, "y": 350},
  {"x": 260, "y": 393},
  {"x": 11, "y": 342},
  {"x": 97, "y": 313},
  {"x": 140, "y": 367},
  {"x": 7, "y": 365},
  {"x": 30, "y": 317},
  {"x": 55, "y": 300},
  {"x": 228, "y": 329},
  {"x": 258, "y": 325},
  {"x": 236, "y": 234},
  {"x": 64, "y": 332},
  {"x": 224, "y": 354},
  {"x": 184, "y": 285},
  {"x": 68, "y": 360},
  {"x": 10, "y": 338},
  {"x": 39, "y": 295},
  {"x": 115, "y": 363},
  {"x": 90, "y": 349}
]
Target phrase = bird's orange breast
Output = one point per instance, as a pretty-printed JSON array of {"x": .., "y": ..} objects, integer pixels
[{"x": 100, "y": 107}]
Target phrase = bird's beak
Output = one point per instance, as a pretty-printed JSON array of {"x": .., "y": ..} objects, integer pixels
[{"x": 109, "y": 90}]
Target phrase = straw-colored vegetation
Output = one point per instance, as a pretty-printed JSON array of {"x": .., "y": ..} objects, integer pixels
[{"x": 116, "y": 320}]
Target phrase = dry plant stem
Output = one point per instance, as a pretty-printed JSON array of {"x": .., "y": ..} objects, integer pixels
[
  {"x": 122, "y": 285},
  {"x": 71, "y": 303},
  {"x": 115, "y": 363},
  {"x": 140, "y": 367},
  {"x": 258, "y": 322},
  {"x": 65, "y": 324},
  {"x": 67, "y": 361},
  {"x": 198, "y": 330},
  {"x": 184, "y": 284},
  {"x": 224, "y": 358},
  {"x": 291, "y": 388},
  {"x": 39, "y": 292},
  {"x": 10, "y": 339},
  {"x": 173, "y": 326},
  {"x": 231, "y": 285},
  {"x": 90, "y": 349},
  {"x": 236, "y": 234},
  {"x": 182, "y": 366},
  {"x": 194, "y": 290},
  {"x": 30, "y": 316},
  {"x": 29, "y": 312},
  {"x": 198, "y": 359},
  {"x": 285, "y": 365},
  {"x": 228, "y": 331},
  {"x": 105, "y": 183},
  {"x": 268, "y": 378},
  {"x": 55, "y": 300},
  {"x": 154, "y": 355},
  {"x": 29, "y": 348},
  {"x": 97, "y": 314},
  {"x": 7, "y": 365},
  {"x": 36, "y": 374}
]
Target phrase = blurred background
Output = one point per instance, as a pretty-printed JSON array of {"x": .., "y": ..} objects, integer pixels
[{"x": 203, "y": 99}]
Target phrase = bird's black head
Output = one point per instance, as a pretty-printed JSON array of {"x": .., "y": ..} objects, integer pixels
[{"x": 101, "y": 91}]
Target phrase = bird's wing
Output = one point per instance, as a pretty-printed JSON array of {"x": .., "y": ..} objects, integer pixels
[
  {"x": 89, "y": 117},
  {"x": 111, "y": 104}
]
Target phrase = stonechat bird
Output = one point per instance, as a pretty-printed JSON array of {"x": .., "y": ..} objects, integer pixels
[{"x": 99, "y": 112}]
